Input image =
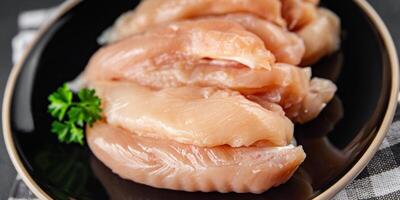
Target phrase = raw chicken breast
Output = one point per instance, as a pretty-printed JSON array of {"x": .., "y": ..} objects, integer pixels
[
  {"x": 315, "y": 2},
  {"x": 172, "y": 165},
  {"x": 172, "y": 72},
  {"x": 321, "y": 37},
  {"x": 319, "y": 93},
  {"x": 287, "y": 47},
  {"x": 298, "y": 13},
  {"x": 154, "y": 12},
  {"x": 285, "y": 84},
  {"x": 297, "y": 187},
  {"x": 204, "y": 117},
  {"x": 289, "y": 91},
  {"x": 192, "y": 39}
]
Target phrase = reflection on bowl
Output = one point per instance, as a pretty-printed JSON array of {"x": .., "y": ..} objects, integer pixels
[{"x": 319, "y": 149}]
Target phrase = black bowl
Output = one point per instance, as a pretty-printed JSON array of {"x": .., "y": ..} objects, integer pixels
[{"x": 339, "y": 143}]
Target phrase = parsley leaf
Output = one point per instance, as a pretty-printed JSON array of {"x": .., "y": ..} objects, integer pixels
[
  {"x": 90, "y": 105},
  {"x": 77, "y": 115},
  {"x": 60, "y": 101},
  {"x": 61, "y": 129},
  {"x": 86, "y": 111}
]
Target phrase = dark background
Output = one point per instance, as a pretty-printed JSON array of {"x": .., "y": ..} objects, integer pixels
[{"x": 9, "y": 9}]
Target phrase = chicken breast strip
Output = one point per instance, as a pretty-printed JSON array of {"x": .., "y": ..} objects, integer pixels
[
  {"x": 287, "y": 47},
  {"x": 321, "y": 37},
  {"x": 172, "y": 165},
  {"x": 155, "y": 12},
  {"x": 192, "y": 39},
  {"x": 204, "y": 117},
  {"x": 298, "y": 13}
]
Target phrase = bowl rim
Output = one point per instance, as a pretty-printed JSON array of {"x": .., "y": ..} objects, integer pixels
[
  {"x": 326, "y": 194},
  {"x": 390, "y": 111}
]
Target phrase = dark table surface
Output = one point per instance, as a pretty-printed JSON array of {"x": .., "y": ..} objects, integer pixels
[{"x": 9, "y": 9}]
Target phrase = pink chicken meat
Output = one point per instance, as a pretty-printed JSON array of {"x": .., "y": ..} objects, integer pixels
[
  {"x": 298, "y": 13},
  {"x": 172, "y": 165},
  {"x": 287, "y": 47},
  {"x": 155, "y": 12},
  {"x": 193, "y": 39},
  {"x": 202, "y": 116},
  {"x": 284, "y": 84},
  {"x": 202, "y": 95},
  {"x": 321, "y": 36}
]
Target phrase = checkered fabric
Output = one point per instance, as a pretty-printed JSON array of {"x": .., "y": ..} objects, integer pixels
[{"x": 380, "y": 179}]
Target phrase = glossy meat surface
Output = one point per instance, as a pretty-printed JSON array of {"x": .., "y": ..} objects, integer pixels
[
  {"x": 201, "y": 95},
  {"x": 315, "y": 2},
  {"x": 298, "y": 13},
  {"x": 187, "y": 40},
  {"x": 167, "y": 164},
  {"x": 155, "y": 12},
  {"x": 173, "y": 72},
  {"x": 284, "y": 84},
  {"x": 319, "y": 93},
  {"x": 321, "y": 36},
  {"x": 204, "y": 117},
  {"x": 287, "y": 47}
]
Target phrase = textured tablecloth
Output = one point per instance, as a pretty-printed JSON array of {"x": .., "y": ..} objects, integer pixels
[{"x": 379, "y": 180}]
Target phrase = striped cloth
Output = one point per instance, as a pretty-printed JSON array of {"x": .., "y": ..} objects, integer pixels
[{"x": 380, "y": 179}]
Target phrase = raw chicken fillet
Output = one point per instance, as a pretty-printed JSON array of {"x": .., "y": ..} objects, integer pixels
[
  {"x": 189, "y": 115},
  {"x": 172, "y": 165},
  {"x": 298, "y": 13},
  {"x": 321, "y": 37},
  {"x": 155, "y": 12},
  {"x": 193, "y": 39},
  {"x": 202, "y": 95},
  {"x": 150, "y": 60},
  {"x": 287, "y": 47}
]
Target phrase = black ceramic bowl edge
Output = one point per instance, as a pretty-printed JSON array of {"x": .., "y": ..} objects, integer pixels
[
  {"x": 327, "y": 194},
  {"x": 7, "y": 133},
  {"x": 390, "y": 111}
]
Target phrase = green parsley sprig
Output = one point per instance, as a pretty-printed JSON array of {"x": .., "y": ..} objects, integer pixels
[{"x": 71, "y": 116}]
